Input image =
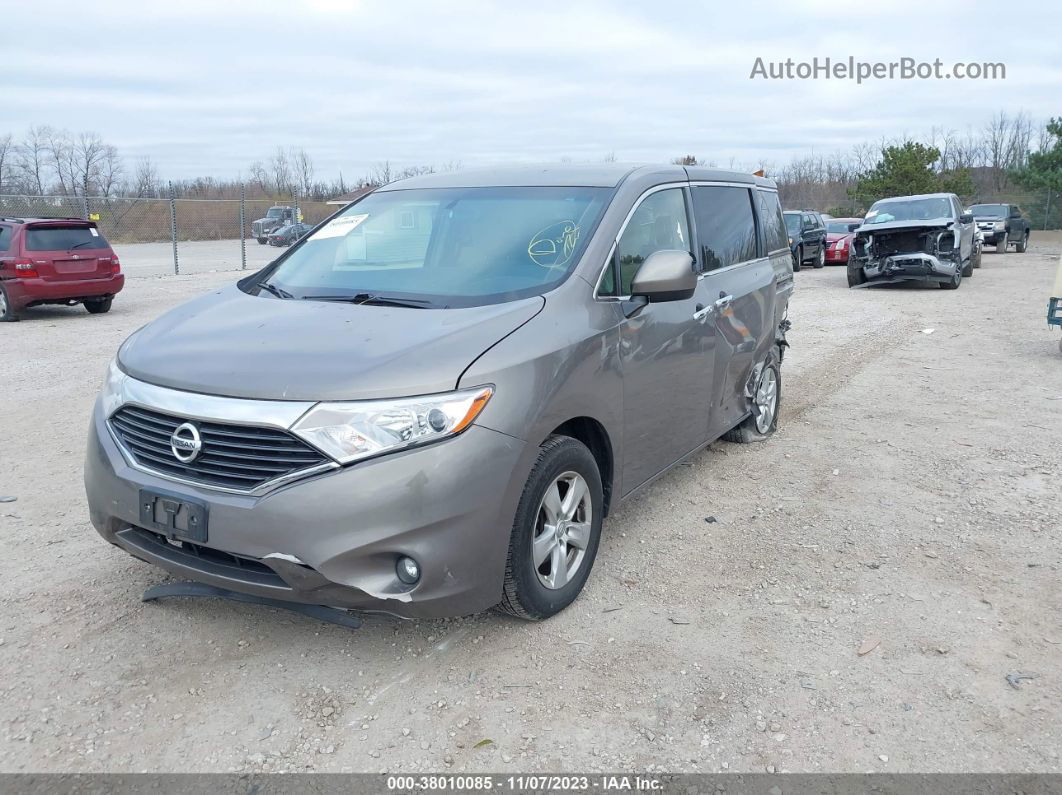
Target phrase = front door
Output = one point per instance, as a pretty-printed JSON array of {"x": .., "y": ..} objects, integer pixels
[{"x": 666, "y": 349}]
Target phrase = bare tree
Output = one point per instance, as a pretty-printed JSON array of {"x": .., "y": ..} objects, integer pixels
[
  {"x": 59, "y": 150},
  {"x": 281, "y": 169},
  {"x": 109, "y": 173},
  {"x": 7, "y": 150},
  {"x": 260, "y": 176},
  {"x": 146, "y": 182},
  {"x": 32, "y": 160},
  {"x": 302, "y": 165},
  {"x": 381, "y": 174}
]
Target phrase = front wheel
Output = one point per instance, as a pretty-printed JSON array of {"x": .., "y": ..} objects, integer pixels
[
  {"x": 763, "y": 409},
  {"x": 856, "y": 276},
  {"x": 798, "y": 260},
  {"x": 555, "y": 533},
  {"x": 1023, "y": 246},
  {"x": 967, "y": 271},
  {"x": 262, "y": 241},
  {"x": 1001, "y": 246},
  {"x": 956, "y": 280}
]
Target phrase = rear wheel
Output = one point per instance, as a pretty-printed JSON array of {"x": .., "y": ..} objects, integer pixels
[
  {"x": 7, "y": 311},
  {"x": 99, "y": 306},
  {"x": 555, "y": 533},
  {"x": 261, "y": 241},
  {"x": 821, "y": 261},
  {"x": 1023, "y": 246},
  {"x": 763, "y": 409}
]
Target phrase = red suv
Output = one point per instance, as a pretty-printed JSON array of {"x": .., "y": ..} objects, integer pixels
[{"x": 55, "y": 261}]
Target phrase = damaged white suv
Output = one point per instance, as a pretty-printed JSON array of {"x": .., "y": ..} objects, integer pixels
[{"x": 926, "y": 238}]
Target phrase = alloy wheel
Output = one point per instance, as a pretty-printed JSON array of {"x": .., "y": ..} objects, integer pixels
[
  {"x": 562, "y": 530},
  {"x": 765, "y": 403},
  {"x": 3, "y": 304}
]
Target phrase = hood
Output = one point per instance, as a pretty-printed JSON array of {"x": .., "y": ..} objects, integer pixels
[
  {"x": 232, "y": 344},
  {"x": 892, "y": 226},
  {"x": 833, "y": 237},
  {"x": 992, "y": 218}
]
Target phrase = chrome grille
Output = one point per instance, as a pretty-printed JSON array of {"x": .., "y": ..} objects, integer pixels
[{"x": 237, "y": 457}]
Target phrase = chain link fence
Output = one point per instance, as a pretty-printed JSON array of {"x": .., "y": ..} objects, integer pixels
[{"x": 169, "y": 235}]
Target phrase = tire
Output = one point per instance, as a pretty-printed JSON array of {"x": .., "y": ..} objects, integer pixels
[
  {"x": 526, "y": 593},
  {"x": 763, "y": 419},
  {"x": 1001, "y": 246},
  {"x": 975, "y": 257},
  {"x": 967, "y": 270},
  {"x": 953, "y": 284},
  {"x": 821, "y": 260},
  {"x": 856, "y": 276},
  {"x": 798, "y": 260},
  {"x": 99, "y": 307},
  {"x": 8, "y": 313},
  {"x": 262, "y": 241},
  {"x": 1023, "y": 246}
]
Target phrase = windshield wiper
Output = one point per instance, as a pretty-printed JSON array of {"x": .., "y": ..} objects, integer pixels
[
  {"x": 372, "y": 300},
  {"x": 82, "y": 243},
  {"x": 274, "y": 290}
]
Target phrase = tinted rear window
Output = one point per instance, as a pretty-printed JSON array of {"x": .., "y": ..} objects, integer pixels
[
  {"x": 774, "y": 231},
  {"x": 61, "y": 238},
  {"x": 725, "y": 226}
]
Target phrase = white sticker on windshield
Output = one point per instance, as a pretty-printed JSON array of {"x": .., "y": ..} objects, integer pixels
[
  {"x": 338, "y": 227},
  {"x": 93, "y": 231}
]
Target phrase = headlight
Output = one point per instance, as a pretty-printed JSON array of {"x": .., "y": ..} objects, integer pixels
[
  {"x": 111, "y": 389},
  {"x": 1000, "y": 224},
  {"x": 352, "y": 431}
]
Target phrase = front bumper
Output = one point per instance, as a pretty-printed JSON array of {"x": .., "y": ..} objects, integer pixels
[
  {"x": 835, "y": 257},
  {"x": 334, "y": 539},
  {"x": 909, "y": 267},
  {"x": 27, "y": 292}
]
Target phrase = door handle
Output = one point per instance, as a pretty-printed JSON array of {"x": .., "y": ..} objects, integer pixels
[
  {"x": 702, "y": 312},
  {"x": 724, "y": 301}
]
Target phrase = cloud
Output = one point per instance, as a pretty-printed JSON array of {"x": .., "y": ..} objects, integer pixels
[{"x": 205, "y": 88}]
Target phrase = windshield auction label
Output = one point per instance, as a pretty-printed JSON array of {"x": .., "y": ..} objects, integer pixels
[{"x": 338, "y": 227}]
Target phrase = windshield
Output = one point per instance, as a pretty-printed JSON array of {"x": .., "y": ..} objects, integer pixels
[
  {"x": 446, "y": 246},
  {"x": 275, "y": 212},
  {"x": 909, "y": 210},
  {"x": 838, "y": 227},
  {"x": 990, "y": 210},
  {"x": 792, "y": 222},
  {"x": 62, "y": 238}
]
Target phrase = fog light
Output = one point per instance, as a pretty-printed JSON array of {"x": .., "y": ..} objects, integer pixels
[{"x": 408, "y": 571}]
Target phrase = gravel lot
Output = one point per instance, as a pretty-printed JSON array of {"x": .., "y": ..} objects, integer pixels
[
  {"x": 909, "y": 505},
  {"x": 193, "y": 256}
]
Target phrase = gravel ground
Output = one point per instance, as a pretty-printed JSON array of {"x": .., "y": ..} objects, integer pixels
[
  {"x": 909, "y": 508},
  {"x": 193, "y": 256}
]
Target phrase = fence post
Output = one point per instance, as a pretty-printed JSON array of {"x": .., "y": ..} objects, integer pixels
[
  {"x": 84, "y": 207},
  {"x": 243, "y": 228},
  {"x": 173, "y": 229},
  {"x": 1047, "y": 212}
]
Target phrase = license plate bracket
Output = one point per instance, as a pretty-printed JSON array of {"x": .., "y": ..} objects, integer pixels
[{"x": 174, "y": 515}]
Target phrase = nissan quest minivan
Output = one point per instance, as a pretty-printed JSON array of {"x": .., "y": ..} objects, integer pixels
[{"x": 428, "y": 405}]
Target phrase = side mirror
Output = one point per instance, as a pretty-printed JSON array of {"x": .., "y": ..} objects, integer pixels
[
  {"x": 853, "y": 227},
  {"x": 665, "y": 276},
  {"x": 966, "y": 218}
]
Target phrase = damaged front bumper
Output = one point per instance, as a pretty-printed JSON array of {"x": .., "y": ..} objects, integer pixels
[
  {"x": 907, "y": 267},
  {"x": 335, "y": 538}
]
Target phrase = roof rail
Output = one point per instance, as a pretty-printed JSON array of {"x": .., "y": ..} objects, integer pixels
[{"x": 13, "y": 220}]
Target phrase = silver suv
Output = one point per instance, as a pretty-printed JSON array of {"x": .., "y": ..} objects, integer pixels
[{"x": 429, "y": 404}]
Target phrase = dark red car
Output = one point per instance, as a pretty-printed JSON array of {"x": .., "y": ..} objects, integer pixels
[
  {"x": 839, "y": 234},
  {"x": 56, "y": 261}
]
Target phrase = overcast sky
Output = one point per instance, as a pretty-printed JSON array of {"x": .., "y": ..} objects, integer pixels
[{"x": 205, "y": 88}]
